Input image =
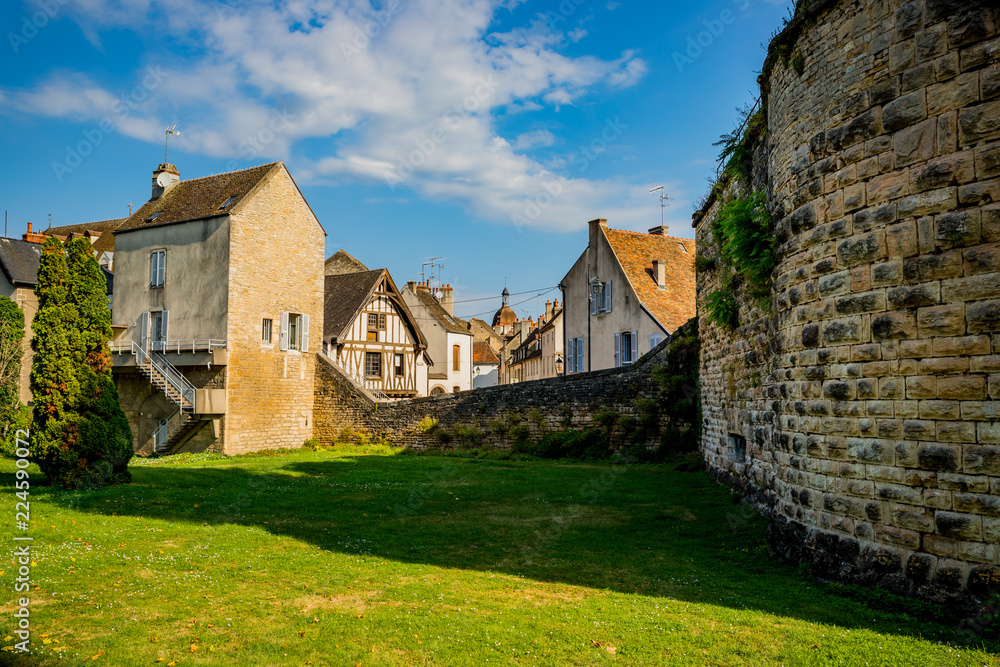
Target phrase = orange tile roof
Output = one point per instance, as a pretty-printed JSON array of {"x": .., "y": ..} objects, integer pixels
[
  {"x": 636, "y": 251},
  {"x": 482, "y": 353}
]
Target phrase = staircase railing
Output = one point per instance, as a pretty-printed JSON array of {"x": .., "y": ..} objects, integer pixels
[
  {"x": 162, "y": 374},
  {"x": 369, "y": 385},
  {"x": 163, "y": 433}
]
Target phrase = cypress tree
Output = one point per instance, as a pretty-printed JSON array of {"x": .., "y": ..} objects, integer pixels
[
  {"x": 105, "y": 435},
  {"x": 54, "y": 385},
  {"x": 12, "y": 412}
]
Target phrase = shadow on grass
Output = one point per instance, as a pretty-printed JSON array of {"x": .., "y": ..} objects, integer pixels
[{"x": 640, "y": 529}]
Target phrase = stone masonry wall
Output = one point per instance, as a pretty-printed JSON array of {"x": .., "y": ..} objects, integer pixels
[
  {"x": 879, "y": 454},
  {"x": 554, "y": 404}
]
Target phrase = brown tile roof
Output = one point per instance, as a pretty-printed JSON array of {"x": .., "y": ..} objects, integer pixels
[
  {"x": 104, "y": 243},
  {"x": 434, "y": 307},
  {"x": 636, "y": 251},
  {"x": 199, "y": 197},
  {"x": 482, "y": 353},
  {"x": 342, "y": 262}
]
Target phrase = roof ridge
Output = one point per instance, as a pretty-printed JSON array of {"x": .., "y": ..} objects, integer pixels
[
  {"x": 662, "y": 236},
  {"x": 227, "y": 173}
]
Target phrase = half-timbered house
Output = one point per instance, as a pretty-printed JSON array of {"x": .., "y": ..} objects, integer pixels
[{"x": 372, "y": 336}]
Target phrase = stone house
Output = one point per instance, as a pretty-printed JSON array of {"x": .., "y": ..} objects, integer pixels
[
  {"x": 624, "y": 294},
  {"x": 552, "y": 340},
  {"x": 371, "y": 334},
  {"x": 218, "y": 293},
  {"x": 449, "y": 340},
  {"x": 18, "y": 277},
  {"x": 485, "y": 365},
  {"x": 525, "y": 360}
]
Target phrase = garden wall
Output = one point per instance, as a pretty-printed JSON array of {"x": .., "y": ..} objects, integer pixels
[{"x": 862, "y": 411}]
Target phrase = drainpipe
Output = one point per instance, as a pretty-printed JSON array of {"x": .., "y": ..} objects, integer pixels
[{"x": 562, "y": 292}]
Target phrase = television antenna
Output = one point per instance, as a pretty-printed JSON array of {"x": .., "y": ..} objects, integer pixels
[
  {"x": 130, "y": 209},
  {"x": 172, "y": 130},
  {"x": 663, "y": 200},
  {"x": 433, "y": 263}
]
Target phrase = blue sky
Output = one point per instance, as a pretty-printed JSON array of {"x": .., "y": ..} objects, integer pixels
[{"x": 487, "y": 132}]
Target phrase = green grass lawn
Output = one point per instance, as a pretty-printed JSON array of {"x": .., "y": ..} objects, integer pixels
[{"x": 367, "y": 557}]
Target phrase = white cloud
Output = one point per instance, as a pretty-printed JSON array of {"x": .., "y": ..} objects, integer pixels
[{"x": 418, "y": 89}]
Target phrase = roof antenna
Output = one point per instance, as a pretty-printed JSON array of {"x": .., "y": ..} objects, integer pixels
[
  {"x": 50, "y": 221},
  {"x": 663, "y": 200},
  {"x": 166, "y": 142},
  {"x": 130, "y": 209}
]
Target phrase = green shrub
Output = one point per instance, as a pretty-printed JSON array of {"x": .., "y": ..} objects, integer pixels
[
  {"x": 427, "y": 424},
  {"x": 722, "y": 309},
  {"x": 746, "y": 241},
  {"x": 702, "y": 263}
]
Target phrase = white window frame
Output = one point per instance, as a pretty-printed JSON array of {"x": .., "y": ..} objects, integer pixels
[
  {"x": 300, "y": 340},
  {"x": 157, "y": 265},
  {"x": 267, "y": 331}
]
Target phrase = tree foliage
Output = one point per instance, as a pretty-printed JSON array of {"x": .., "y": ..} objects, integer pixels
[
  {"x": 12, "y": 412},
  {"x": 80, "y": 435}
]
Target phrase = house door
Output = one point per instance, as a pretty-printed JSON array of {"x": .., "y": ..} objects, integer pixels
[{"x": 158, "y": 330}]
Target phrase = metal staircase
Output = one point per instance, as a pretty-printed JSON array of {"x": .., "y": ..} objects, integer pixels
[
  {"x": 164, "y": 376},
  {"x": 369, "y": 386}
]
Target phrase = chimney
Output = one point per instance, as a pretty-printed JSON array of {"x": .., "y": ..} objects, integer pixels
[
  {"x": 548, "y": 310},
  {"x": 595, "y": 225},
  {"x": 165, "y": 177},
  {"x": 32, "y": 236},
  {"x": 660, "y": 230},
  {"x": 412, "y": 286},
  {"x": 29, "y": 227},
  {"x": 447, "y": 299},
  {"x": 659, "y": 272},
  {"x": 423, "y": 286}
]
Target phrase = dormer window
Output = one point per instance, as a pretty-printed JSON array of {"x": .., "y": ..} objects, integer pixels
[
  {"x": 227, "y": 202},
  {"x": 154, "y": 216}
]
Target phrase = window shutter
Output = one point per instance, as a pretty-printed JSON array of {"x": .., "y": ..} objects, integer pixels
[
  {"x": 618, "y": 350},
  {"x": 163, "y": 328},
  {"x": 579, "y": 355},
  {"x": 144, "y": 331},
  {"x": 160, "y": 267},
  {"x": 284, "y": 332},
  {"x": 571, "y": 355},
  {"x": 607, "y": 297},
  {"x": 634, "y": 352},
  {"x": 305, "y": 333},
  {"x": 152, "y": 268},
  {"x": 593, "y": 301}
]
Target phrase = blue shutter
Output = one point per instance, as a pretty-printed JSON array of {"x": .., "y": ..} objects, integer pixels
[
  {"x": 161, "y": 267},
  {"x": 593, "y": 301},
  {"x": 571, "y": 355},
  {"x": 607, "y": 297},
  {"x": 579, "y": 355},
  {"x": 144, "y": 331},
  {"x": 633, "y": 354},
  {"x": 618, "y": 350},
  {"x": 163, "y": 328}
]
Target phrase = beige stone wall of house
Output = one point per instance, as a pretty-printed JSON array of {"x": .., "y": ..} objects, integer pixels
[
  {"x": 276, "y": 266},
  {"x": 25, "y": 298},
  {"x": 871, "y": 411}
]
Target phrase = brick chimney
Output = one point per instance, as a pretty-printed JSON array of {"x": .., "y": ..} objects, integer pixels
[
  {"x": 165, "y": 177},
  {"x": 660, "y": 273},
  {"x": 32, "y": 237},
  {"x": 447, "y": 299},
  {"x": 595, "y": 226},
  {"x": 548, "y": 310},
  {"x": 660, "y": 230},
  {"x": 425, "y": 286}
]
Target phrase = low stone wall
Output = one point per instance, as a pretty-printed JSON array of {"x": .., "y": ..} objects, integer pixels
[{"x": 541, "y": 406}]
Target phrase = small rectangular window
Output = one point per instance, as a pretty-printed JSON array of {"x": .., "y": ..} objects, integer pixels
[
  {"x": 654, "y": 340},
  {"x": 373, "y": 364},
  {"x": 265, "y": 331},
  {"x": 398, "y": 370},
  {"x": 372, "y": 327},
  {"x": 157, "y": 262},
  {"x": 381, "y": 322},
  {"x": 737, "y": 447},
  {"x": 456, "y": 357}
]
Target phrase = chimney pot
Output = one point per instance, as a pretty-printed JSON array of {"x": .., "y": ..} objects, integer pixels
[
  {"x": 163, "y": 184},
  {"x": 660, "y": 230},
  {"x": 29, "y": 227},
  {"x": 659, "y": 273}
]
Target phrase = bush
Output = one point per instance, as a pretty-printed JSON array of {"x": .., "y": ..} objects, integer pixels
[{"x": 427, "y": 424}]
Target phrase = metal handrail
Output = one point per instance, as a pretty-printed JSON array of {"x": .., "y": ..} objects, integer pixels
[
  {"x": 174, "y": 346},
  {"x": 163, "y": 433},
  {"x": 379, "y": 395}
]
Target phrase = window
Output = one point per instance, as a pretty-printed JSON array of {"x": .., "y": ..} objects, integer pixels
[
  {"x": 456, "y": 389},
  {"x": 655, "y": 339},
  {"x": 372, "y": 326},
  {"x": 456, "y": 357},
  {"x": 227, "y": 202},
  {"x": 373, "y": 364},
  {"x": 626, "y": 345},
  {"x": 600, "y": 301},
  {"x": 265, "y": 331},
  {"x": 154, "y": 216},
  {"x": 381, "y": 322},
  {"x": 294, "y": 334},
  {"x": 574, "y": 355},
  {"x": 737, "y": 447},
  {"x": 398, "y": 365},
  {"x": 157, "y": 262}
]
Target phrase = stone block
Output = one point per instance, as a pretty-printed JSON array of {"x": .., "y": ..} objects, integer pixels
[
  {"x": 982, "y": 259},
  {"x": 988, "y": 433},
  {"x": 898, "y": 493},
  {"x": 862, "y": 249},
  {"x": 977, "y": 503},
  {"x": 946, "y": 67},
  {"x": 987, "y": 163},
  {"x": 952, "y": 169},
  {"x": 953, "y": 94},
  {"x": 983, "y": 317},
  {"x": 979, "y": 123},
  {"x": 931, "y": 409},
  {"x": 967, "y": 27},
  {"x": 937, "y": 456},
  {"x": 864, "y": 126},
  {"x": 947, "y": 133},
  {"x": 915, "y": 143},
  {"x": 937, "y": 499},
  {"x": 964, "y": 483},
  {"x": 921, "y": 387},
  {"x": 897, "y": 537},
  {"x": 835, "y": 283},
  {"x": 948, "y": 320},
  {"x": 860, "y": 303},
  {"x": 927, "y": 203},
  {"x": 980, "y": 54},
  {"x": 962, "y": 346},
  {"x": 887, "y": 273},
  {"x": 958, "y": 526},
  {"x": 956, "y": 431},
  {"x": 970, "y": 288},
  {"x": 991, "y": 223},
  {"x": 976, "y": 194},
  {"x": 942, "y": 365},
  {"x": 909, "y": 19},
  {"x": 845, "y": 330},
  {"x": 861, "y": 280},
  {"x": 989, "y": 82},
  {"x": 978, "y": 410},
  {"x": 914, "y": 296},
  {"x": 901, "y": 239},
  {"x": 958, "y": 228},
  {"x": 895, "y": 325},
  {"x": 888, "y": 428},
  {"x": 901, "y": 57},
  {"x": 919, "y": 429},
  {"x": 930, "y": 42},
  {"x": 918, "y": 78},
  {"x": 891, "y": 388},
  {"x": 983, "y": 459},
  {"x": 904, "y": 111}
]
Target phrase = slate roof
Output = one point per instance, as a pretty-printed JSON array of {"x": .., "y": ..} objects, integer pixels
[
  {"x": 437, "y": 311},
  {"x": 199, "y": 198},
  {"x": 482, "y": 353},
  {"x": 342, "y": 262},
  {"x": 636, "y": 251},
  {"x": 104, "y": 243},
  {"x": 347, "y": 294},
  {"x": 19, "y": 261}
]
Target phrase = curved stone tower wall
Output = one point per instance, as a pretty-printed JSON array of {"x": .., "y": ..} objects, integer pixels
[{"x": 869, "y": 397}]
